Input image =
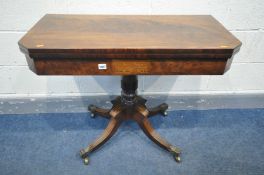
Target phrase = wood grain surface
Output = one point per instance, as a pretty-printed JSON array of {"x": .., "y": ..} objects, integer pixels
[{"x": 129, "y": 44}]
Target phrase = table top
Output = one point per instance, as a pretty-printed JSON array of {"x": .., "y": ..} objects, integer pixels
[
  {"x": 191, "y": 34},
  {"x": 129, "y": 45}
]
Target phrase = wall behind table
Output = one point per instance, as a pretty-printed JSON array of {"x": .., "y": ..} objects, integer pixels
[{"x": 243, "y": 18}]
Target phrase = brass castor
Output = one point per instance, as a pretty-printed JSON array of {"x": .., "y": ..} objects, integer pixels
[
  {"x": 176, "y": 153},
  {"x": 92, "y": 115},
  {"x": 177, "y": 158},
  {"x": 164, "y": 113},
  {"x": 86, "y": 161},
  {"x": 92, "y": 108}
]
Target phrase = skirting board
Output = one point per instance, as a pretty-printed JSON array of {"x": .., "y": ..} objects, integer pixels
[{"x": 175, "y": 102}]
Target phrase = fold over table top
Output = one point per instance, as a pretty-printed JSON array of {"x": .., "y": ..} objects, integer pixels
[{"x": 129, "y": 36}]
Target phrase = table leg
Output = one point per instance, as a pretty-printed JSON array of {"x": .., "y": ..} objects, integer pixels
[
  {"x": 96, "y": 111},
  {"x": 160, "y": 109},
  {"x": 106, "y": 135},
  {"x": 141, "y": 118}
]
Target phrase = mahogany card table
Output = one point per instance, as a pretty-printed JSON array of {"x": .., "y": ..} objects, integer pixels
[{"x": 127, "y": 46}]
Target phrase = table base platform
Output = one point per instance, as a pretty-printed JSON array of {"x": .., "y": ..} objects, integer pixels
[{"x": 129, "y": 106}]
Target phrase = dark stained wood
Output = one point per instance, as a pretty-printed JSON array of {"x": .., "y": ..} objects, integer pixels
[
  {"x": 99, "y": 33},
  {"x": 129, "y": 45},
  {"x": 129, "y": 106},
  {"x": 109, "y": 131},
  {"x": 129, "y": 66}
]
